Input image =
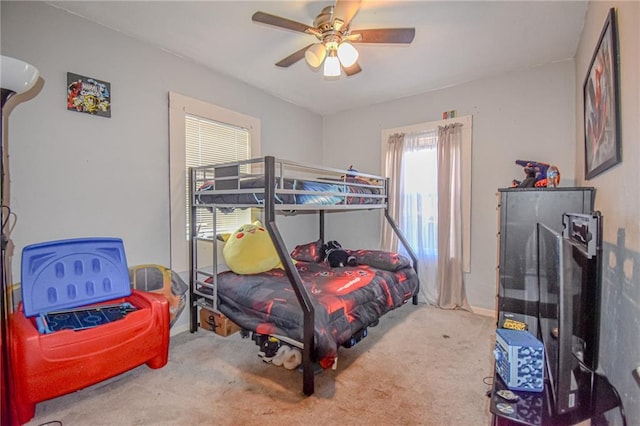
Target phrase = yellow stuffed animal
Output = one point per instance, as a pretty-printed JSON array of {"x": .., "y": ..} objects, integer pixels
[{"x": 249, "y": 250}]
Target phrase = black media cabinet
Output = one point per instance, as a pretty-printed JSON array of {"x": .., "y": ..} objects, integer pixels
[{"x": 520, "y": 210}]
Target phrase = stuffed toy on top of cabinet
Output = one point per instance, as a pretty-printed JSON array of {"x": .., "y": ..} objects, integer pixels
[{"x": 538, "y": 175}]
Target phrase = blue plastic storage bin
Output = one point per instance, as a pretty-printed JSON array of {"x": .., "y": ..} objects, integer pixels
[{"x": 65, "y": 274}]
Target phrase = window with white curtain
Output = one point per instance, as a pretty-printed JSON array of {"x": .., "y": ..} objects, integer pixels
[
  {"x": 413, "y": 169},
  {"x": 210, "y": 142}
]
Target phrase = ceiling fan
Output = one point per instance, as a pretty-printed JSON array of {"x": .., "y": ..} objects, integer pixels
[{"x": 332, "y": 28}]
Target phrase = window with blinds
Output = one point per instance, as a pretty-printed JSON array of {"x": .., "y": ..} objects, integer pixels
[{"x": 211, "y": 142}]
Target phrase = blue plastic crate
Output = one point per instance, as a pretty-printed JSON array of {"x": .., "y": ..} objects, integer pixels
[
  {"x": 65, "y": 274},
  {"x": 520, "y": 360}
]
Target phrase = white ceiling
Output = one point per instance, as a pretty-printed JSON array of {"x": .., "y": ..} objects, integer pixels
[{"x": 455, "y": 42}]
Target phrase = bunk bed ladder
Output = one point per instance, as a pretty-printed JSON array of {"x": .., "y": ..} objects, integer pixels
[
  {"x": 193, "y": 308},
  {"x": 195, "y": 271},
  {"x": 294, "y": 277}
]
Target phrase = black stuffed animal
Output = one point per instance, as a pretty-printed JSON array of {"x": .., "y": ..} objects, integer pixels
[{"x": 336, "y": 256}]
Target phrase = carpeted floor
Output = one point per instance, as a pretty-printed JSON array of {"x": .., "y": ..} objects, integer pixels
[{"x": 419, "y": 366}]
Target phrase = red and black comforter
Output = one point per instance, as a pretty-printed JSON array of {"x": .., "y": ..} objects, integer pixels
[{"x": 345, "y": 299}]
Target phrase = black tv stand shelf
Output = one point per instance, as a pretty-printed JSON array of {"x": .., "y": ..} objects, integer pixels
[{"x": 535, "y": 408}]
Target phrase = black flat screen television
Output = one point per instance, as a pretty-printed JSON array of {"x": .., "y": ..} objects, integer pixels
[{"x": 569, "y": 282}]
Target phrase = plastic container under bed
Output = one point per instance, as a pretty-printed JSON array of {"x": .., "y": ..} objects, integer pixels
[{"x": 79, "y": 321}]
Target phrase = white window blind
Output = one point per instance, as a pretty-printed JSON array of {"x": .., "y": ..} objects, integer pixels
[{"x": 211, "y": 142}]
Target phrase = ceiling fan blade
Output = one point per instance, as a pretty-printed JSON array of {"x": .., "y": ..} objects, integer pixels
[
  {"x": 353, "y": 69},
  {"x": 294, "y": 57},
  {"x": 345, "y": 10},
  {"x": 277, "y": 21},
  {"x": 383, "y": 35}
]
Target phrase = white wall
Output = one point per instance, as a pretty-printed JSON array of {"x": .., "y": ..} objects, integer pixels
[
  {"x": 77, "y": 175},
  {"x": 524, "y": 115},
  {"x": 618, "y": 198}
]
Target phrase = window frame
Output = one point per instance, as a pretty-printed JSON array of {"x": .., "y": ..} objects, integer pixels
[{"x": 179, "y": 107}]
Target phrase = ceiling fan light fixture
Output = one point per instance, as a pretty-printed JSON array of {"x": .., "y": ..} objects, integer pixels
[
  {"x": 332, "y": 65},
  {"x": 332, "y": 28},
  {"x": 348, "y": 54},
  {"x": 315, "y": 54}
]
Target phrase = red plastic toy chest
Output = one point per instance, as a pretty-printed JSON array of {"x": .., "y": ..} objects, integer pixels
[{"x": 70, "y": 274}]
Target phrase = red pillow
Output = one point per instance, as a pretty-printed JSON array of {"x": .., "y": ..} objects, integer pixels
[
  {"x": 380, "y": 259},
  {"x": 310, "y": 252}
]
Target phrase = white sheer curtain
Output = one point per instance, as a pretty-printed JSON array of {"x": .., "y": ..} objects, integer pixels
[
  {"x": 393, "y": 161},
  {"x": 451, "y": 291},
  {"x": 412, "y": 160}
]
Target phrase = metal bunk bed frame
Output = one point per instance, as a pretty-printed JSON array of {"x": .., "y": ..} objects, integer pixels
[{"x": 270, "y": 207}]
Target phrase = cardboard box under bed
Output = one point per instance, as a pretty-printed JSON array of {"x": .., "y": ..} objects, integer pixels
[{"x": 217, "y": 323}]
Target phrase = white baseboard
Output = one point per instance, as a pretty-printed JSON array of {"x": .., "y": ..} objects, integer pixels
[{"x": 484, "y": 311}]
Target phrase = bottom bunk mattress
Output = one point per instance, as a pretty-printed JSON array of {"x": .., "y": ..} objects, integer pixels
[{"x": 345, "y": 299}]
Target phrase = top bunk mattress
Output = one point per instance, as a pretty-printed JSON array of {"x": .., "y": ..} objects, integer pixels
[
  {"x": 349, "y": 191},
  {"x": 294, "y": 185}
]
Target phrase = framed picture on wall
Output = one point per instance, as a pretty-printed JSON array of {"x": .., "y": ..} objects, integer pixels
[
  {"x": 88, "y": 95},
  {"x": 602, "y": 103}
]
